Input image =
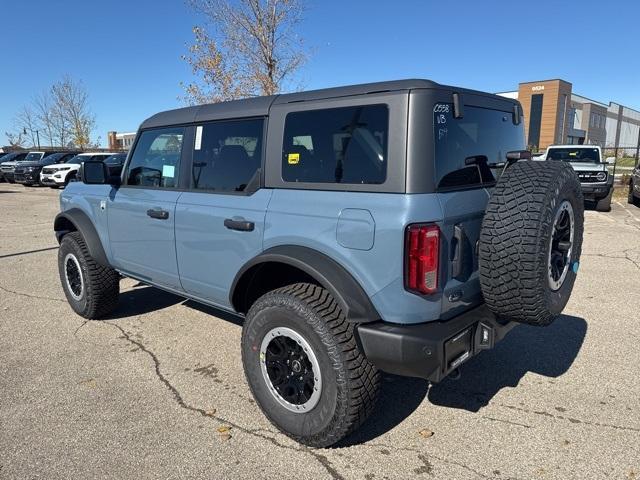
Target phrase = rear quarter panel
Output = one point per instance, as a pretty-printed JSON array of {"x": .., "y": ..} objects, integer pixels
[{"x": 311, "y": 219}]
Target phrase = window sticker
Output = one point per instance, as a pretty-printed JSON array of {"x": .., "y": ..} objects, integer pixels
[
  {"x": 168, "y": 171},
  {"x": 198, "y": 137},
  {"x": 293, "y": 158}
]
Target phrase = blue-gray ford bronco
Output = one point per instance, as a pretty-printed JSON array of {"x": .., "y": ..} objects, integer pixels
[{"x": 397, "y": 227}]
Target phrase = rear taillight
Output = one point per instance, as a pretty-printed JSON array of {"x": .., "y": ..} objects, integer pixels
[{"x": 422, "y": 253}]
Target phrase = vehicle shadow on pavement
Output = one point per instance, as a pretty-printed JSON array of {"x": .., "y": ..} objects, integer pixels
[
  {"x": 142, "y": 299},
  {"x": 548, "y": 351},
  {"x": 399, "y": 398}
]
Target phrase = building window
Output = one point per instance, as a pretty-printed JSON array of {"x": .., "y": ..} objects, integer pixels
[{"x": 535, "y": 119}]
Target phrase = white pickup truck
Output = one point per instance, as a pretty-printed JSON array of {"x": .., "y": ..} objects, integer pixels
[{"x": 586, "y": 160}]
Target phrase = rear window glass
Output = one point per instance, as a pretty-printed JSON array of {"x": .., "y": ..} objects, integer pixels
[
  {"x": 480, "y": 133},
  {"x": 337, "y": 145}
]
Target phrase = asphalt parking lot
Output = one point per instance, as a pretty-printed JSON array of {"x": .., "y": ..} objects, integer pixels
[{"x": 157, "y": 390}]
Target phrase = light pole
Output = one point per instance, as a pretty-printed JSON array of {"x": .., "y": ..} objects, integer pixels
[{"x": 24, "y": 130}]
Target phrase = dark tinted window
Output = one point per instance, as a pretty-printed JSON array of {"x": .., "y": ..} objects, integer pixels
[
  {"x": 117, "y": 159},
  {"x": 587, "y": 155},
  {"x": 338, "y": 145},
  {"x": 226, "y": 155},
  {"x": 156, "y": 159},
  {"x": 484, "y": 133},
  {"x": 535, "y": 119}
]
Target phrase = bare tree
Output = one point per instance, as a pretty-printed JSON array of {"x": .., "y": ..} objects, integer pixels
[
  {"x": 15, "y": 139},
  {"x": 254, "y": 49},
  {"x": 26, "y": 122},
  {"x": 45, "y": 115},
  {"x": 72, "y": 105}
]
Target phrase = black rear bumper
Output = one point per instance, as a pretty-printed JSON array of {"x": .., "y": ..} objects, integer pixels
[{"x": 431, "y": 350}]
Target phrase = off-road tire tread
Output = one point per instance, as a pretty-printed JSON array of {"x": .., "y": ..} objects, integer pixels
[
  {"x": 513, "y": 248},
  {"x": 102, "y": 283},
  {"x": 338, "y": 335}
]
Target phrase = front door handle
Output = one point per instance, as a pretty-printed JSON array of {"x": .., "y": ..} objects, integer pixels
[
  {"x": 239, "y": 224},
  {"x": 158, "y": 213}
]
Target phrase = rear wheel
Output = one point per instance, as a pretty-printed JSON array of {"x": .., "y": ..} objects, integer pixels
[
  {"x": 91, "y": 289},
  {"x": 530, "y": 242},
  {"x": 304, "y": 366}
]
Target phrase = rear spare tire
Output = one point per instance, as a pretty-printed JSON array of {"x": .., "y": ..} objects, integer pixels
[{"x": 530, "y": 241}]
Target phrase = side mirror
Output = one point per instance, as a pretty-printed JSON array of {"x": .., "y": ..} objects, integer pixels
[
  {"x": 94, "y": 173},
  {"x": 610, "y": 160},
  {"x": 516, "y": 155}
]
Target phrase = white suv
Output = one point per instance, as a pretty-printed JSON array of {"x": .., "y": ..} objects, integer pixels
[
  {"x": 586, "y": 160},
  {"x": 59, "y": 175}
]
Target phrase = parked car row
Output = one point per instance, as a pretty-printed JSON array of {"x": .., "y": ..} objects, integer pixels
[{"x": 54, "y": 169}]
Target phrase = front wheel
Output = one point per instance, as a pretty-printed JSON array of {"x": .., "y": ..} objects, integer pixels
[
  {"x": 91, "y": 289},
  {"x": 604, "y": 204},
  {"x": 304, "y": 366}
]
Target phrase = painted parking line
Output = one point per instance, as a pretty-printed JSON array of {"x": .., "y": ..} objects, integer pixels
[
  {"x": 17, "y": 254},
  {"x": 629, "y": 212}
]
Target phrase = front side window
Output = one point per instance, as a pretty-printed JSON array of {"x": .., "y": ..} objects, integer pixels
[
  {"x": 227, "y": 155},
  {"x": 482, "y": 133},
  {"x": 156, "y": 159},
  {"x": 338, "y": 145}
]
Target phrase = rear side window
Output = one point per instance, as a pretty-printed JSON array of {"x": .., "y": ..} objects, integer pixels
[
  {"x": 156, "y": 159},
  {"x": 227, "y": 155},
  {"x": 481, "y": 133},
  {"x": 338, "y": 145}
]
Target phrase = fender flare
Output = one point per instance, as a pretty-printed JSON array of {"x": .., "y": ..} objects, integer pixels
[
  {"x": 83, "y": 224},
  {"x": 353, "y": 300}
]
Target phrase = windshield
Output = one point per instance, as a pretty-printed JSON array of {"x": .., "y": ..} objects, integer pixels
[
  {"x": 76, "y": 159},
  {"x": 583, "y": 155},
  {"x": 481, "y": 132},
  {"x": 33, "y": 157},
  {"x": 9, "y": 158},
  {"x": 54, "y": 157}
]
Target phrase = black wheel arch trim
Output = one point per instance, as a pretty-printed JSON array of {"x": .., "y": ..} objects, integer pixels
[
  {"x": 83, "y": 224},
  {"x": 353, "y": 300}
]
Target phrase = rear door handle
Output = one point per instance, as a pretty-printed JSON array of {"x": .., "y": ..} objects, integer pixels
[
  {"x": 239, "y": 224},
  {"x": 158, "y": 213}
]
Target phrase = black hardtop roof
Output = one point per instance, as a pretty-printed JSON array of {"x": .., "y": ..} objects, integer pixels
[{"x": 259, "y": 106}]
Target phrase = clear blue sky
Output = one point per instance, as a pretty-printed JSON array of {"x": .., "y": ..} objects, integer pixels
[{"x": 128, "y": 52}]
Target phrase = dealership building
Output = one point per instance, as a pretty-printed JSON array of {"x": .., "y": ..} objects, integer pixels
[
  {"x": 555, "y": 115},
  {"x": 120, "y": 141}
]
